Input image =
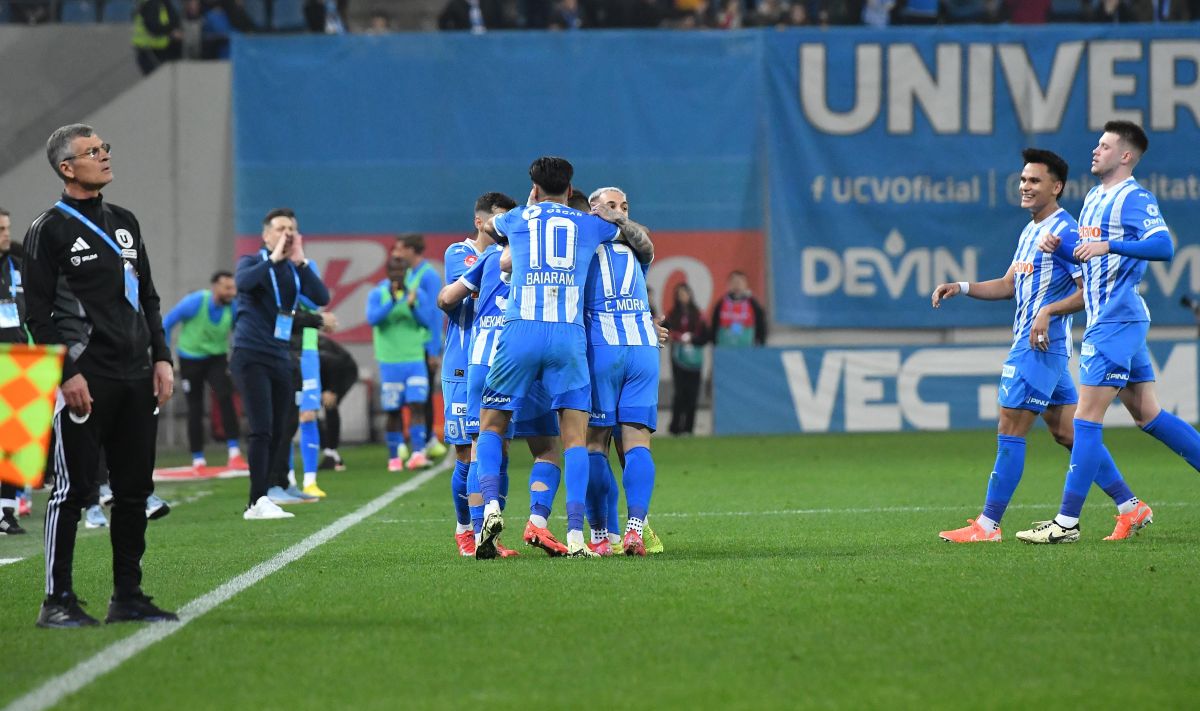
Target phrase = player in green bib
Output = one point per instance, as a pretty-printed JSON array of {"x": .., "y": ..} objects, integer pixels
[
  {"x": 206, "y": 318},
  {"x": 400, "y": 317}
]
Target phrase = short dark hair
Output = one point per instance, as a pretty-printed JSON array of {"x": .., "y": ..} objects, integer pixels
[
  {"x": 488, "y": 201},
  {"x": 552, "y": 174},
  {"x": 579, "y": 201},
  {"x": 279, "y": 212},
  {"x": 412, "y": 240},
  {"x": 219, "y": 275},
  {"x": 1129, "y": 132},
  {"x": 5, "y": 213},
  {"x": 1053, "y": 162}
]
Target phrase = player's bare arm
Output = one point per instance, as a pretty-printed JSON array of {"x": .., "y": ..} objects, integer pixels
[
  {"x": 506, "y": 261},
  {"x": 1039, "y": 338},
  {"x": 635, "y": 234},
  {"x": 990, "y": 290},
  {"x": 452, "y": 295}
]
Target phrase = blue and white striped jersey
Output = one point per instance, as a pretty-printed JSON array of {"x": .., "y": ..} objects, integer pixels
[
  {"x": 486, "y": 280},
  {"x": 552, "y": 247},
  {"x": 460, "y": 256},
  {"x": 1125, "y": 212},
  {"x": 1041, "y": 279},
  {"x": 616, "y": 307}
]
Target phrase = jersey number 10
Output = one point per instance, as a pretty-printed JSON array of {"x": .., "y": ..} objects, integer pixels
[{"x": 556, "y": 229}]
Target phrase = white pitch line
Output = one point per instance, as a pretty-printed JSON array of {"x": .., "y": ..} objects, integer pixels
[
  {"x": 112, "y": 656},
  {"x": 10, "y": 561}
]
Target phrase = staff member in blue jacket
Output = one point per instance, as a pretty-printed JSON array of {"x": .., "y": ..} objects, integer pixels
[{"x": 269, "y": 284}]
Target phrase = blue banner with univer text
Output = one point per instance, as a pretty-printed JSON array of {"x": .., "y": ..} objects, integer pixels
[{"x": 895, "y": 159}]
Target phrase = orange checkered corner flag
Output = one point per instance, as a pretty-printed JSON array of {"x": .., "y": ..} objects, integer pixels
[{"x": 29, "y": 380}]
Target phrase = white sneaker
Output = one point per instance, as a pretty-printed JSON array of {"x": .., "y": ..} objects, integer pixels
[
  {"x": 106, "y": 495},
  {"x": 1049, "y": 532},
  {"x": 264, "y": 509},
  {"x": 94, "y": 518}
]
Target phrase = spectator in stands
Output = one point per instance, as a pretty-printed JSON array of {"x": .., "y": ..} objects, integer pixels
[
  {"x": 380, "y": 22},
  {"x": 737, "y": 318},
  {"x": 478, "y": 16},
  {"x": 326, "y": 16},
  {"x": 688, "y": 334},
  {"x": 1028, "y": 12},
  {"x": 797, "y": 15},
  {"x": 222, "y": 18},
  {"x": 566, "y": 16},
  {"x": 535, "y": 14},
  {"x": 769, "y": 13},
  {"x": 30, "y": 12},
  {"x": 1115, "y": 11},
  {"x": 192, "y": 25},
  {"x": 877, "y": 13},
  {"x": 916, "y": 12},
  {"x": 157, "y": 34},
  {"x": 729, "y": 17}
]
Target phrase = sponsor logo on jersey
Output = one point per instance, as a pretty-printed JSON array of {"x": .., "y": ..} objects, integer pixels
[
  {"x": 1008, "y": 371},
  {"x": 1023, "y": 267},
  {"x": 1087, "y": 349},
  {"x": 496, "y": 399},
  {"x": 1037, "y": 401},
  {"x": 1116, "y": 376},
  {"x": 1092, "y": 233},
  {"x": 470, "y": 260},
  {"x": 124, "y": 237},
  {"x": 458, "y": 409},
  {"x": 80, "y": 245},
  {"x": 1152, "y": 210}
]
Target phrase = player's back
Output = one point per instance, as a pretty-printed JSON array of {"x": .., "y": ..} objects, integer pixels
[
  {"x": 617, "y": 307},
  {"x": 486, "y": 280},
  {"x": 551, "y": 246},
  {"x": 1124, "y": 212},
  {"x": 1040, "y": 279},
  {"x": 459, "y": 257}
]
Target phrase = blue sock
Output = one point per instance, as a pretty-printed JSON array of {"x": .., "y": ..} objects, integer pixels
[
  {"x": 473, "y": 488},
  {"x": 541, "y": 500},
  {"x": 394, "y": 440},
  {"x": 1110, "y": 480},
  {"x": 1182, "y": 438},
  {"x": 597, "y": 490},
  {"x": 231, "y": 443},
  {"x": 458, "y": 489},
  {"x": 639, "y": 481},
  {"x": 489, "y": 450},
  {"x": 1006, "y": 474},
  {"x": 291, "y": 457},
  {"x": 416, "y": 437},
  {"x": 614, "y": 498},
  {"x": 503, "y": 481},
  {"x": 1086, "y": 458},
  {"x": 575, "y": 460},
  {"x": 310, "y": 446},
  {"x": 198, "y": 455}
]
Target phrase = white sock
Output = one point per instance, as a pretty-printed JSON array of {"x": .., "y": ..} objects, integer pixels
[
  {"x": 234, "y": 452},
  {"x": 461, "y": 528},
  {"x": 291, "y": 477},
  {"x": 310, "y": 479},
  {"x": 490, "y": 507},
  {"x": 575, "y": 539},
  {"x": 599, "y": 535},
  {"x": 8, "y": 504},
  {"x": 614, "y": 539},
  {"x": 986, "y": 523},
  {"x": 198, "y": 461},
  {"x": 635, "y": 524},
  {"x": 539, "y": 521},
  {"x": 330, "y": 452},
  {"x": 1066, "y": 521},
  {"x": 1127, "y": 506}
]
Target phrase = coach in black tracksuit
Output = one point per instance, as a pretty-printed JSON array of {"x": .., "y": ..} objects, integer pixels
[
  {"x": 88, "y": 286},
  {"x": 267, "y": 282}
]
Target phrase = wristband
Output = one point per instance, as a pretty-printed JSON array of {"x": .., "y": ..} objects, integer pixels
[{"x": 964, "y": 287}]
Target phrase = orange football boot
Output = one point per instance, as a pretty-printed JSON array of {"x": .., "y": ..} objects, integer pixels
[
  {"x": 971, "y": 533},
  {"x": 1129, "y": 524},
  {"x": 466, "y": 543},
  {"x": 632, "y": 544},
  {"x": 542, "y": 538}
]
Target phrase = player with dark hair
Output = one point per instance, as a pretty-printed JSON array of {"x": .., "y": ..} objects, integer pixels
[
  {"x": 1034, "y": 380},
  {"x": 207, "y": 316},
  {"x": 1121, "y": 230}
]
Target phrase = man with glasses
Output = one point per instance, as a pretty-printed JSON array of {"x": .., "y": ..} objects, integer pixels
[{"x": 88, "y": 287}]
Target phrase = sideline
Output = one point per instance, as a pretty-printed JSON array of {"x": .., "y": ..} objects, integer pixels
[{"x": 58, "y": 688}]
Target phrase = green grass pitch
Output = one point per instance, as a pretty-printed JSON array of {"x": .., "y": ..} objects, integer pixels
[{"x": 800, "y": 572}]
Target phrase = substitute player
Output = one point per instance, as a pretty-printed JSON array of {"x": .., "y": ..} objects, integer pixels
[
  {"x": 1120, "y": 230},
  {"x": 398, "y": 318},
  {"x": 551, "y": 247},
  {"x": 1035, "y": 378}
]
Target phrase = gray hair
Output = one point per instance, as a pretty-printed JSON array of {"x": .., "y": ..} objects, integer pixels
[
  {"x": 600, "y": 191},
  {"x": 58, "y": 146}
]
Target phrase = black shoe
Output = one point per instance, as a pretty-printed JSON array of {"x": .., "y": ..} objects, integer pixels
[
  {"x": 331, "y": 461},
  {"x": 63, "y": 612},
  {"x": 9, "y": 526},
  {"x": 137, "y": 608}
]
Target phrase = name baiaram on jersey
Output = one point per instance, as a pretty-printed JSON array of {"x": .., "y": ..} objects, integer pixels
[{"x": 560, "y": 278}]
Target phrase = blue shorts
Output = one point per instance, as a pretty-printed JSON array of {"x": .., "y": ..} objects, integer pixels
[
  {"x": 308, "y": 399},
  {"x": 1115, "y": 355},
  {"x": 532, "y": 351},
  {"x": 454, "y": 397},
  {"x": 532, "y": 417},
  {"x": 624, "y": 385},
  {"x": 402, "y": 384},
  {"x": 1034, "y": 380}
]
